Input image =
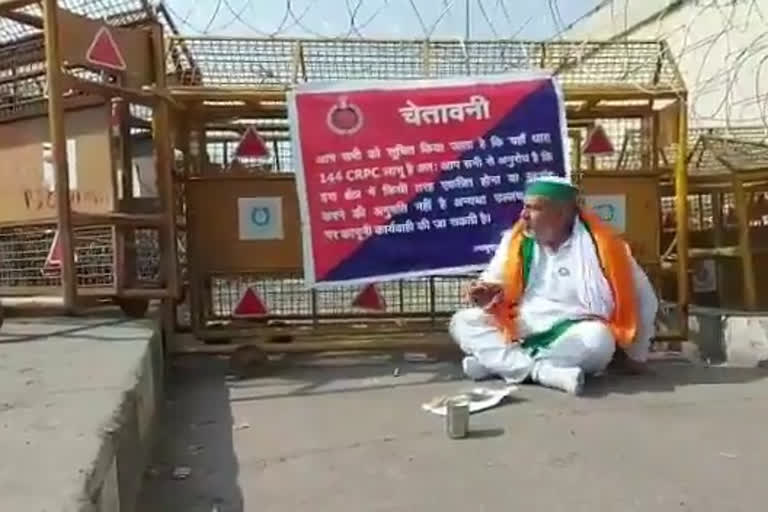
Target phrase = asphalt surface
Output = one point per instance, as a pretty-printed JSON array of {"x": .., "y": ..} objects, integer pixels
[{"x": 350, "y": 436}]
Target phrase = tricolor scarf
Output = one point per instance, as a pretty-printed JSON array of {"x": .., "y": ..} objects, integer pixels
[{"x": 613, "y": 259}]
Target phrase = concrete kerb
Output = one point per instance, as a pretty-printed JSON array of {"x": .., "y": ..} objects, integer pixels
[
  {"x": 115, "y": 480},
  {"x": 732, "y": 337}
]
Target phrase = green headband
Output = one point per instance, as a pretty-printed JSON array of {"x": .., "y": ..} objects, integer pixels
[{"x": 551, "y": 190}]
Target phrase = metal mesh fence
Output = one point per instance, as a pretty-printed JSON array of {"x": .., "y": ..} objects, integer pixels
[
  {"x": 739, "y": 155},
  {"x": 27, "y": 258},
  {"x": 710, "y": 149},
  {"x": 115, "y": 12},
  {"x": 282, "y": 61},
  {"x": 221, "y": 154},
  {"x": 631, "y": 148},
  {"x": 276, "y": 62},
  {"x": 23, "y": 83},
  {"x": 288, "y": 297},
  {"x": 700, "y": 212},
  {"x": 744, "y": 148},
  {"x": 147, "y": 250},
  {"x": 279, "y": 62}
]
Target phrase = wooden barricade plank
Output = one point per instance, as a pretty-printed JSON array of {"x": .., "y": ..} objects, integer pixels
[
  {"x": 27, "y": 193},
  {"x": 221, "y": 229}
]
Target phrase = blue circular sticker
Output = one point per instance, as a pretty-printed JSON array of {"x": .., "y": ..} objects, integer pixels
[{"x": 260, "y": 216}]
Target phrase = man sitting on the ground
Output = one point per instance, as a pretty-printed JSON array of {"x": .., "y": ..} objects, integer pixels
[{"x": 561, "y": 292}]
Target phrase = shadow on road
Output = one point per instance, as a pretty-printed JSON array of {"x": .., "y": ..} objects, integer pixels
[
  {"x": 44, "y": 329},
  {"x": 668, "y": 376},
  {"x": 665, "y": 376},
  {"x": 305, "y": 377},
  {"x": 195, "y": 435}
]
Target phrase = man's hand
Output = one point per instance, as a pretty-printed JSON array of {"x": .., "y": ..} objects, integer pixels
[
  {"x": 631, "y": 367},
  {"x": 484, "y": 295}
]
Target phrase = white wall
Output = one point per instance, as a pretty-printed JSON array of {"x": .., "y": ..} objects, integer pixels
[
  {"x": 144, "y": 181},
  {"x": 721, "y": 47}
]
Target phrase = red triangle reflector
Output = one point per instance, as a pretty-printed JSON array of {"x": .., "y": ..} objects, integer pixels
[
  {"x": 251, "y": 145},
  {"x": 104, "y": 51},
  {"x": 54, "y": 253},
  {"x": 597, "y": 143},
  {"x": 250, "y": 305},
  {"x": 370, "y": 298},
  {"x": 53, "y": 260}
]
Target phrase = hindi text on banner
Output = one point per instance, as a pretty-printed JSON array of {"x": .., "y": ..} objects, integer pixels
[{"x": 477, "y": 106}]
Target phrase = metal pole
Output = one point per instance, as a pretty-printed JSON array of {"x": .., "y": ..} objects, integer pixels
[
  {"x": 58, "y": 138},
  {"x": 745, "y": 245},
  {"x": 161, "y": 136},
  {"x": 164, "y": 154},
  {"x": 466, "y": 20},
  {"x": 681, "y": 210}
]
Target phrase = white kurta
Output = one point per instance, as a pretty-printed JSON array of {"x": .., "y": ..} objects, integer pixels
[{"x": 554, "y": 293}]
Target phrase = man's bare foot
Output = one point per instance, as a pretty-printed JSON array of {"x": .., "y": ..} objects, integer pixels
[{"x": 627, "y": 366}]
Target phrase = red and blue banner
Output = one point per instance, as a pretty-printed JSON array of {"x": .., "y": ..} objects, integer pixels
[{"x": 417, "y": 178}]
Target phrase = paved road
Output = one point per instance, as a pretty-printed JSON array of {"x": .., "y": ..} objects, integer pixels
[{"x": 352, "y": 438}]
